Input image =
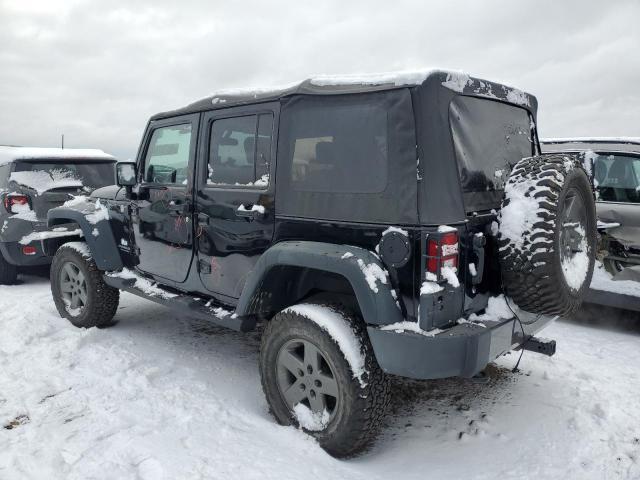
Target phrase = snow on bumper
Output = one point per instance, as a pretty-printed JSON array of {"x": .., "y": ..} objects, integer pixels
[{"x": 460, "y": 351}]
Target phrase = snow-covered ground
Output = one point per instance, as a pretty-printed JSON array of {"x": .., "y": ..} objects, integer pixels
[{"x": 162, "y": 397}]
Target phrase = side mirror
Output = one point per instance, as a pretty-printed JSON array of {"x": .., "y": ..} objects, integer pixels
[{"x": 126, "y": 174}]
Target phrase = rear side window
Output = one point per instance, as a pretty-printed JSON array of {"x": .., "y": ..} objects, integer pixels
[
  {"x": 167, "y": 159},
  {"x": 489, "y": 138},
  {"x": 340, "y": 149},
  {"x": 348, "y": 157},
  {"x": 240, "y": 151},
  {"x": 617, "y": 178}
]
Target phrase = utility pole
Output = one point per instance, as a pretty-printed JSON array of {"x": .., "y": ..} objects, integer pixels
[{"x": 63, "y": 141}]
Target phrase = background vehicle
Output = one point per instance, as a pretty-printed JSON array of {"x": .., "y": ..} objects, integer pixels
[
  {"x": 372, "y": 247},
  {"x": 32, "y": 181},
  {"x": 615, "y": 164}
]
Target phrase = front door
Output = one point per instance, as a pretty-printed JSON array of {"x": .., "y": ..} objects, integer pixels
[
  {"x": 235, "y": 196},
  {"x": 163, "y": 213},
  {"x": 617, "y": 179}
]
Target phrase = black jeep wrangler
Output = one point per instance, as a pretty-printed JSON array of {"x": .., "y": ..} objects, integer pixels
[
  {"x": 32, "y": 181},
  {"x": 394, "y": 224}
]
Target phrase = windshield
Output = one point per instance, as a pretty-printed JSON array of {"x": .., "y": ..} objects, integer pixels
[
  {"x": 617, "y": 178},
  {"x": 489, "y": 138},
  {"x": 53, "y": 175}
]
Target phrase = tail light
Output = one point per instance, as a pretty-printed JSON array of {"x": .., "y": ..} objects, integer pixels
[
  {"x": 442, "y": 251},
  {"x": 16, "y": 203},
  {"x": 29, "y": 250}
]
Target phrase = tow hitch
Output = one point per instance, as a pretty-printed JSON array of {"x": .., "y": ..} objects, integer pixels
[{"x": 543, "y": 346}]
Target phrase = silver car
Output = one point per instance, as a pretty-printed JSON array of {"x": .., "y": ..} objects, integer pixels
[{"x": 615, "y": 167}]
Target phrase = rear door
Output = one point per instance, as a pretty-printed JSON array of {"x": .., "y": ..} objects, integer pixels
[
  {"x": 163, "y": 212},
  {"x": 235, "y": 194}
]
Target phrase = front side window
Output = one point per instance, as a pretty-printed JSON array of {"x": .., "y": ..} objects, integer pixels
[
  {"x": 240, "y": 151},
  {"x": 617, "y": 178},
  {"x": 167, "y": 160}
]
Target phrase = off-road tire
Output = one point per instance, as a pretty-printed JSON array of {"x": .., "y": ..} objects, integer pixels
[
  {"x": 532, "y": 273},
  {"x": 361, "y": 408},
  {"x": 8, "y": 272},
  {"x": 102, "y": 300}
]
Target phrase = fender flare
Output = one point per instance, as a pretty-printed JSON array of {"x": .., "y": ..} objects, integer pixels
[
  {"x": 378, "y": 308},
  {"x": 102, "y": 246}
]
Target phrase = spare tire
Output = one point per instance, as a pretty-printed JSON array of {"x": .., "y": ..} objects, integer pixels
[{"x": 547, "y": 234}]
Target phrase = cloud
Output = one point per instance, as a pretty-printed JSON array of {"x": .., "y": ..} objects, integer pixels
[{"x": 97, "y": 70}]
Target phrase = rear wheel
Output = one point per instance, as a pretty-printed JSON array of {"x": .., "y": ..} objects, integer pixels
[
  {"x": 8, "y": 272},
  {"x": 310, "y": 381},
  {"x": 78, "y": 289},
  {"x": 547, "y": 234}
]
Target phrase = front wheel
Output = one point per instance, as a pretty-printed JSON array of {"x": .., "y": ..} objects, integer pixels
[
  {"x": 319, "y": 373},
  {"x": 78, "y": 289}
]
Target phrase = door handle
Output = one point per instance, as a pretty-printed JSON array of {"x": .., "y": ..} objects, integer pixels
[{"x": 251, "y": 212}]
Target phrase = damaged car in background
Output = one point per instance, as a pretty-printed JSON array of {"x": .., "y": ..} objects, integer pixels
[
  {"x": 614, "y": 163},
  {"x": 32, "y": 181}
]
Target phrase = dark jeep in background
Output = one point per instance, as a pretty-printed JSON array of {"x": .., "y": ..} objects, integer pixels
[
  {"x": 370, "y": 225},
  {"x": 32, "y": 181}
]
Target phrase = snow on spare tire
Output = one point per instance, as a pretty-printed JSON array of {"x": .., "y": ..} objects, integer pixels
[{"x": 547, "y": 234}]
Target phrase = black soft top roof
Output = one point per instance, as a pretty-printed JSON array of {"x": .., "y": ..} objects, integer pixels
[{"x": 349, "y": 84}]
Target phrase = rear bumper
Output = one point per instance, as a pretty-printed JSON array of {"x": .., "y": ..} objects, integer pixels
[
  {"x": 45, "y": 240},
  {"x": 460, "y": 351},
  {"x": 12, "y": 253}
]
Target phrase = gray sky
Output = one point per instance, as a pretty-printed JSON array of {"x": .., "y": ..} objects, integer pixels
[{"x": 97, "y": 70}]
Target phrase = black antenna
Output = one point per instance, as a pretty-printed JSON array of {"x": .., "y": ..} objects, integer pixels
[{"x": 63, "y": 141}]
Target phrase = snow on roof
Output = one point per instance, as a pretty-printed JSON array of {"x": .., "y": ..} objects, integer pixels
[
  {"x": 407, "y": 77},
  {"x": 591, "y": 140},
  {"x": 357, "y": 83},
  {"x": 9, "y": 153}
]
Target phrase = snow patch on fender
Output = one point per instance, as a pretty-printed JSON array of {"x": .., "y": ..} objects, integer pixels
[
  {"x": 100, "y": 213},
  {"x": 76, "y": 200},
  {"x": 373, "y": 273},
  {"x": 55, "y": 233},
  {"x": 334, "y": 323},
  {"x": 80, "y": 247}
]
